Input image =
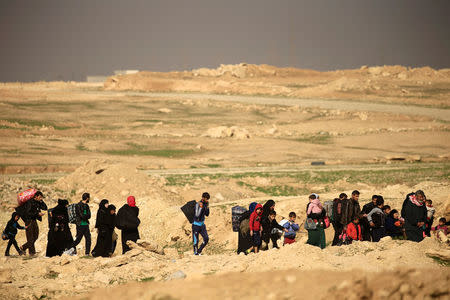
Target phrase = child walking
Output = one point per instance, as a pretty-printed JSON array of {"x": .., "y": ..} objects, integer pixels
[
  {"x": 199, "y": 227},
  {"x": 255, "y": 227},
  {"x": 10, "y": 233}
]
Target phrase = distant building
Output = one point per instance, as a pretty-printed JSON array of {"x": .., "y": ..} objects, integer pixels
[
  {"x": 96, "y": 78},
  {"x": 125, "y": 72}
]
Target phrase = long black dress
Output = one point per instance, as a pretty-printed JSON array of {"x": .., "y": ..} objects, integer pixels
[
  {"x": 59, "y": 235},
  {"x": 105, "y": 225}
]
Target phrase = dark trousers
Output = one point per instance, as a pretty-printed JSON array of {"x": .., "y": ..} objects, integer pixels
[
  {"x": 266, "y": 237},
  {"x": 83, "y": 230},
  {"x": 365, "y": 230},
  {"x": 128, "y": 235},
  {"x": 378, "y": 234},
  {"x": 338, "y": 227},
  {"x": 12, "y": 241},
  {"x": 196, "y": 231},
  {"x": 32, "y": 234}
]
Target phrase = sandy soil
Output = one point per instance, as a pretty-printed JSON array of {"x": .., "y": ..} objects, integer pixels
[{"x": 381, "y": 130}]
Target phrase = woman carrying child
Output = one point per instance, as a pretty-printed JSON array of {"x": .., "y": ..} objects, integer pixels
[{"x": 316, "y": 212}]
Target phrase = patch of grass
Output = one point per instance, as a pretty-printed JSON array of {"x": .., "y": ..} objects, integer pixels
[
  {"x": 81, "y": 147},
  {"x": 260, "y": 114},
  {"x": 440, "y": 261},
  {"x": 37, "y": 123},
  {"x": 212, "y": 272},
  {"x": 315, "y": 139},
  {"x": 182, "y": 246},
  {"x": 411, "y": 174},
  {"x": 73, "y": 192},
  {"x": 43, "y": 181},
  {"x": 87, "y": 257},
  {"x": 213, "y": 165},
  {"x": 147, "y": 279},
  {"x": 148, "y": 120},
  {"x": 140, "y": 150},
  {"x": 51, "y": 275},
  {"x": 10, "y": 127},
  {"x": 296, "y": 85}
]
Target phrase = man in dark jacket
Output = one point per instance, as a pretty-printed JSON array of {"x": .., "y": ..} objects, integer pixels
[
  {"x": 339, "y": 204},
  {"x": 352, "y": 209},
  {"x": 83, "y": 214},
  {"x": 127, "y": 220},
  {"x": 30, "y": 213},
  {"x": 414, "y": 212},
  {"x": 365, "y": 226}
]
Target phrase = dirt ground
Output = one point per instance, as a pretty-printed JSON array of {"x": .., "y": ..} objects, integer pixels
[{"x": 243, "y": 133}]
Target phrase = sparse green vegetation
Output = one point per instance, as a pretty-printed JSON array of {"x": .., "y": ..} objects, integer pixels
[
  {"x": 213, "y": 165},
  {"x": 80, "y": 147},
  {"x": 44, "y": 181},
  {"x": 140, "y": 150},
  {"x": 51, "y": 275},
  {"x": 315, "y": 139},
  {"x": 440, "y": 261},
  {"x": 37, "y": 123},
  {"x": 147, "y": 279}
]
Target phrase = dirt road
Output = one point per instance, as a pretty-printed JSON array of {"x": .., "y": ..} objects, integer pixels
[{"x": 438, "y": 113}]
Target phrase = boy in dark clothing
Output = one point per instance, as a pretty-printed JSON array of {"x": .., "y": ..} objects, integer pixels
[
  {"x": 31, "y": 214},
  {"x": 338, "y": 209},
  {"x": 268, "y": 225},
  {"x": 10, "y": 233},
  {"x": 376, "y": 219},
  {"x": 365, "y": 226},
  {"x": 255, "y": 227},
  {"x": 83, "y": 215},
  {"x": 199, "y": 227}
]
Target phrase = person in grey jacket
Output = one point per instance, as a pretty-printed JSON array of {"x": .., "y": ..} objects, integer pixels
[
  {"x": 198, "y": 226},
  {"x": 376, "y": 219}
]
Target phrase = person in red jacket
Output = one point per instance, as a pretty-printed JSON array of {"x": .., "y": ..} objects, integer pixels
[
  {"x": 354, "y": 229},
  {"x": 255, "y": 227}
]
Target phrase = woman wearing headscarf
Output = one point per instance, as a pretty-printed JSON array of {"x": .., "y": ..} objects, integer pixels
[
  {"x": 414, "y": 212},
  {"x": 268, "y": 225},
  {"x": 244, "y": 238},
  {"x": 102, "y": 223},
  {"x": 316, "y": 212},
  {"x": 128, "y": 221},
  {"x": 59, "y": 235}
]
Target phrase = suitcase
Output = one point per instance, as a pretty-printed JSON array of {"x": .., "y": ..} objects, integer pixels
[
  {"x": 189, "y": 210},
  {"x": 236, "y": 213}
]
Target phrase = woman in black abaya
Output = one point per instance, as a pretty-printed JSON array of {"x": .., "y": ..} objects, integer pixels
[
  {"x": 59, "y": 235},
  {"x": 105, "y": 225}
]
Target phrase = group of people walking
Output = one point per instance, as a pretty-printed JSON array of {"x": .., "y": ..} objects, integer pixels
[
  {"x": 373, "y": 222},
  {"x": 60, "y": 239}
]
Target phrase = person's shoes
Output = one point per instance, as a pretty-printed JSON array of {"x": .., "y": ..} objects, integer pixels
[
  {"x": 6, "y": 254},
  {"x": 21, "y": 252}
]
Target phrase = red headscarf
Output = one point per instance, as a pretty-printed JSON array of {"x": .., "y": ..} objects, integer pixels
[{"x": 131, "y": 201}]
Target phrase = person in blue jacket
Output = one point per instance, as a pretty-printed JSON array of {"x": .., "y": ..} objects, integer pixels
[
  {"x": 292, "y": 228},
  {"x": 198, "y": 226},
  {"x": 10, "y": 233}
]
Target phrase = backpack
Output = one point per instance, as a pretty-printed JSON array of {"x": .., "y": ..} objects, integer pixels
[
  {"x": 328, "y": 205},
  {"x": 236, "y": 213},
  {"x": 189, "y": 210},
  {"x": 72, "y": 212}
]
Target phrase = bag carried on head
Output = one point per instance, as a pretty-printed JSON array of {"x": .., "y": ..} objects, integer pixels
[
  {"x": 236, "y": 213},
  {"x": 189, "y": 210},
  {"x": 310, "y": 224},
  {"x": 72, "y": 212},
  {"x": 26, "y": 195}
]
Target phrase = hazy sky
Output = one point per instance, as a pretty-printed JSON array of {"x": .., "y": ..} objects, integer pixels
[{"x": 49, "y": 40}]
